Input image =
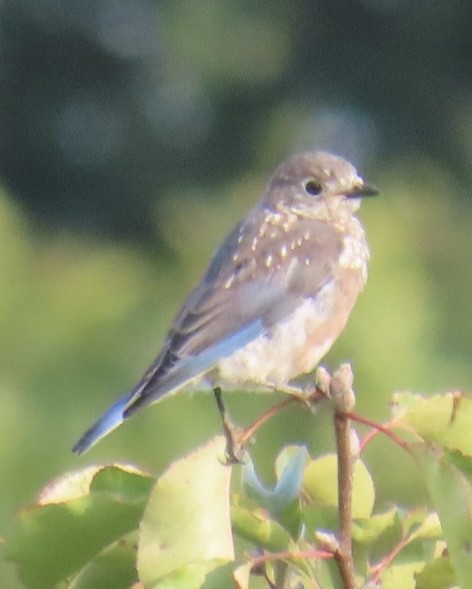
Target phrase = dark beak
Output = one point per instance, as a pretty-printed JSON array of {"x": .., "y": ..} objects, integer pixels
[{"x": 362, "y": 191}]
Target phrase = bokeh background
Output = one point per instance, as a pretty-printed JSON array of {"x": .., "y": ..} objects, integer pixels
[{"x": 135, "y": 133}]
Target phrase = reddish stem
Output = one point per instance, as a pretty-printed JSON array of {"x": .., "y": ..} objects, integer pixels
[{"x": 378, "y": 428}]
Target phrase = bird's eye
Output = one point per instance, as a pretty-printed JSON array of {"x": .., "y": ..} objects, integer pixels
[{"x": 313, "y": 187}]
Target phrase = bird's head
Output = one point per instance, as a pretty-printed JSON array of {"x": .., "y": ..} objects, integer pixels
[{"x": 317, "y": 184}]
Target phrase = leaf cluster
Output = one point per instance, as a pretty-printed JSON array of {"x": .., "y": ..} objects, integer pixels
[{"x": 117, "y": 526}]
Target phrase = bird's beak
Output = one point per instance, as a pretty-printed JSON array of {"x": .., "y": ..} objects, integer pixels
[{"x": 362, "y": 191}]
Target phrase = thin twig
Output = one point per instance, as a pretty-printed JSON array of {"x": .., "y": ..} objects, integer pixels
[
  {"x": 237, "y": 438},
  {"x": 345, "y": 479},
  {"x": 378, "y": 570},
  {"x": 383, "y": 428},
  {"x": 288, "y": 555},
  {"x": 248, "y": 432}
]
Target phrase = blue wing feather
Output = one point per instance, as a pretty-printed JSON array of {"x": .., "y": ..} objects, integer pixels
[{"x": 188, "y": 369}]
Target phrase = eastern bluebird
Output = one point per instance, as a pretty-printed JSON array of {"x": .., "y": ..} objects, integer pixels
[{"x": 275, "y": 296}]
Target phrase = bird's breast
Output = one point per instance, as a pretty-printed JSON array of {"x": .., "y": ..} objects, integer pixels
[
  {"x": 296, "y": 344},
  {"x": 355, "y": 254}
]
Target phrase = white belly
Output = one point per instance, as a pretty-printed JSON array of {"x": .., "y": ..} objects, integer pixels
[{"x": 288, "y": 350}]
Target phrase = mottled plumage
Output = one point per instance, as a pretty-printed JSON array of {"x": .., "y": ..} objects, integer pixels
[{"x": 275, "y": 296}]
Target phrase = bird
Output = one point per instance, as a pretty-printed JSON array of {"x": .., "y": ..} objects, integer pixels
[{"x": 275, "y": 296}]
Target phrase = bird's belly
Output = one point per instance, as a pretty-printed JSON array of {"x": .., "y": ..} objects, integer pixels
[{"x": 293, "y": 346}]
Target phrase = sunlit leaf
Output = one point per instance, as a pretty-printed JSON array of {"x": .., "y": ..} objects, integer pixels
[
  {"x": 320, "y": 483},
  {"x": 242, "y": 575},
  {"x": 401, "y": 576},
  {"x": 189, "y": 576},
  {"x": 91, "y": 521},
  {"x": 437, "y": 574},
  {"x": 368, "y": 530},
  {"x": 186, "y": 528},
  {"x": 442, "y": 419},
  {"x": 429, "y": 528},
  {"x": 451, "y": 494},
  {"x": 256, "y": 526}
]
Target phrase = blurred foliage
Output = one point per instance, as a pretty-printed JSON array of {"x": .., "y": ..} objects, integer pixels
[
  {"x": 156, "y": 124},
  {"x": 105, "y": 106}
]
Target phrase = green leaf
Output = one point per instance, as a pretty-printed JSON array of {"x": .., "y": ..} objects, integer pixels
[
  {"x": 219, "y": 577},
  {"x": 186, "y": 528},
  {"x": 127, "y": 485},
  {"x": 319, "y": 517},
  {"x": 401, "y": 576},
  {"x": 442, "y": 419},
  {"x": 114, "y": 567},
  {"x": 256, "y": 526},
  {"x": 429, "y": 528},
  {"x": 437, "y": 574},
  {"x": 463, "y": 463},
  {"x": 91, "y": 521},
  {"x": 412, "y": 521},
  {"x": 242, "y": 576},
  {"x": 367, "y": 531},
  {"x": 189, "y": 576},
  {"x": 320, "y": 484},
  {"x": 451, "y": 493}
]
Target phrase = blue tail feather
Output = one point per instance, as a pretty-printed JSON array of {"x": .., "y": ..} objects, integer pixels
[
  {"x": 147, "y": 391},
  {"x": 109, "y": 421}
]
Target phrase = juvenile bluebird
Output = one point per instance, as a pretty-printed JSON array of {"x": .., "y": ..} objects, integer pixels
[{"x": 275, "y": 296}]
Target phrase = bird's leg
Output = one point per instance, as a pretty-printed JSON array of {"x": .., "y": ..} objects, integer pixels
[
  {"x": 237, "y": 438},
  {"x": 233, "y": 434}
]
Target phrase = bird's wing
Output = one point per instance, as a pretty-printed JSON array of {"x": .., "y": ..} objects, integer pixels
[
  {"x": 253, "y": 282},
  {"x": 260, "y": 274}
]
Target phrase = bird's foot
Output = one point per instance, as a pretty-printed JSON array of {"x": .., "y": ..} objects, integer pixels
[
  {"x": 308, "y": 394},
  {"x": 336, "y": 388}
]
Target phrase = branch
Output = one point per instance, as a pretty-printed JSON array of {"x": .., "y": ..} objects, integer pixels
[{"x": 343, "y": 399}]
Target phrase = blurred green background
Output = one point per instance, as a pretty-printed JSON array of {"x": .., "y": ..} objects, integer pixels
[{"x": 135, "y": 133}]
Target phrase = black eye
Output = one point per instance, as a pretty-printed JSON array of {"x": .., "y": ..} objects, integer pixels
[{"x": 313, "y": 187}]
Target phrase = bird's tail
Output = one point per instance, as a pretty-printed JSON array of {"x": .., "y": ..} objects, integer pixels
[{"x": 109, "y": 421}]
